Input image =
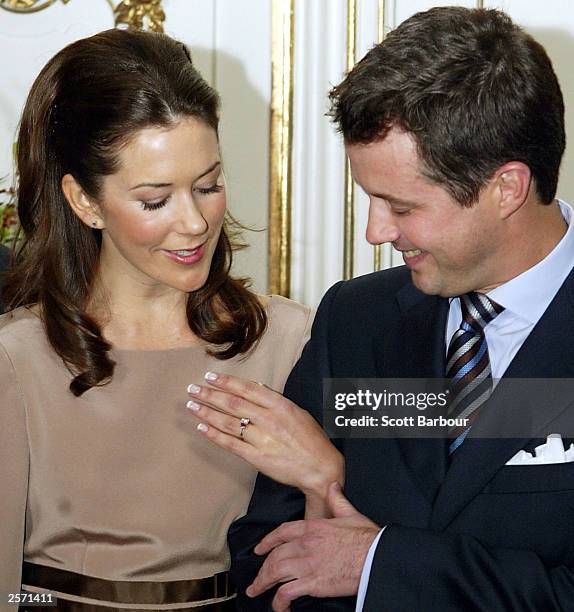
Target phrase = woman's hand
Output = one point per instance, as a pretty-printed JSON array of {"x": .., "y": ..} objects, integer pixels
[{"x": 279, "y": 439}]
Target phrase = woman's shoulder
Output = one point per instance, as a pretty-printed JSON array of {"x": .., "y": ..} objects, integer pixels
[
  {"x": 287, "y": 313},
  {"x": 289, "y": 322},
  {"x": 287, "y": 331},
  {"x": 20, "y": 328},
  {"x": 280, "y": 303}
]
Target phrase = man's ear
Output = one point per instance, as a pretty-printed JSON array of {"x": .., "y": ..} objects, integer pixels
[
  {"x": 80, "y": 203},
  {"x": 512, "y": 184}
]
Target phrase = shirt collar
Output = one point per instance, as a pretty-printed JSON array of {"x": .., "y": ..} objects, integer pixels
[{"x": 546, "y": 277}]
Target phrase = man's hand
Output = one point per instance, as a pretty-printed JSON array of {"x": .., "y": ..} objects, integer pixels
[{"x": 317, "y": 557}]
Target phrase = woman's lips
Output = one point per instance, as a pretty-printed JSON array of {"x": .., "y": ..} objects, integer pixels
[{"x": 187, "y": 256}]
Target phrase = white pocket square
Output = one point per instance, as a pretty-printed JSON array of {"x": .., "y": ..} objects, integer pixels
[{"x": 552, "y": 451}]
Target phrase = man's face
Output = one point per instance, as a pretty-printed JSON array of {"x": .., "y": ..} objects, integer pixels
[{"x": 449, "y": 248}]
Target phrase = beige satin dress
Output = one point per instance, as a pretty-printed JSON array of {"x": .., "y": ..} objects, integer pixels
[{"x": 114, "y": 500}]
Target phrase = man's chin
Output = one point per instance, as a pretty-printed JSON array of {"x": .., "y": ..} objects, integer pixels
[
  {"x": 424, "y": 283},
  {"x": 429, "y": 285}
]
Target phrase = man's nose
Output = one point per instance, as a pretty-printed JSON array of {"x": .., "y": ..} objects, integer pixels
[{"x": 381, "y": 226}]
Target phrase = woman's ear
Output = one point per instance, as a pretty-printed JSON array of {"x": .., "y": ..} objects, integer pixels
[{"x": 80, "y": 203}]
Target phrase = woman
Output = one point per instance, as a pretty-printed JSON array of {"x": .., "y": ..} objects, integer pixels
[{"x": 120, "y": 296}]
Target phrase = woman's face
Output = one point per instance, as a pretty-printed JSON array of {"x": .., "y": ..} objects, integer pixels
[{"x": 162, "y": 211}]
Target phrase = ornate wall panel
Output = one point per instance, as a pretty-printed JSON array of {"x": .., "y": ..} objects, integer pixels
[
  {"x": 134, "y": 14},
  {"x": 329, "y": 213},
  {"x": 285, "y": 171},
  {"x": 318, "y": 159}
]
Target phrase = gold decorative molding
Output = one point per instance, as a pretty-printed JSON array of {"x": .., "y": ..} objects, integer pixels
[
  {"x": 135, "y": 14},
  {"x": 381, "y": 17},
  {"x": 27, "y": 6},
  {"x": 349, "y": 205},
  {"x": 281, "y": 140}
]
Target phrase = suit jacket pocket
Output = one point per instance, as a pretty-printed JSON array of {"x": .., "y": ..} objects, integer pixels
[{"x": 533, "y": 478}]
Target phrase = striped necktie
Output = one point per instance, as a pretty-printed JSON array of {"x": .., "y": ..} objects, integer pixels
[{"x": 468, "y": 364}]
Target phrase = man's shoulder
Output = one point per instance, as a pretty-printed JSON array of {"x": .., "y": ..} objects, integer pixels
[
  {"x": 362, "y": 303},
  {"x": 372, "y": 290}
]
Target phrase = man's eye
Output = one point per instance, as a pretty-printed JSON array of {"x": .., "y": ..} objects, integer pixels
[{"x": 154, "y": 205}]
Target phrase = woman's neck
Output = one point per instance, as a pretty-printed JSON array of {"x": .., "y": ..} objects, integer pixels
[{"x": 142, "y": 318}]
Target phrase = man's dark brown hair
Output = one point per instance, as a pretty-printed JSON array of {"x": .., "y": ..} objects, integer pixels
[{"x": 473, "y": 88}]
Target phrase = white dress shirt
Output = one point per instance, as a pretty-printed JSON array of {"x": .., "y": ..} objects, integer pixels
[{"x": 525, "y": 298}]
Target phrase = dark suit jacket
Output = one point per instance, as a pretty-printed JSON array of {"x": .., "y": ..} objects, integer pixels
[
  {"x": 4, "y": 263},
  {"x": 472, "y": 535}
]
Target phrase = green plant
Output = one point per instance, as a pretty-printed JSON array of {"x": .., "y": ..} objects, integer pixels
[{"x": 8, "y": 216}]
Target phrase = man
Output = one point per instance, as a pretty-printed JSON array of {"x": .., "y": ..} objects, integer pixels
[
  {"x": 454, "y": 128},
  {"x": 4, "y": 262}
]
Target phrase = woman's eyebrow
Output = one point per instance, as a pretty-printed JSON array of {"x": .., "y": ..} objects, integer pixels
[{"x": 210, "y": 169}]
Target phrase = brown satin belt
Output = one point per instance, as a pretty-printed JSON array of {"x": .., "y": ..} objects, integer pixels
[
  {"x": 129, "y": 592},
  {"x": 73, "y": 606}
]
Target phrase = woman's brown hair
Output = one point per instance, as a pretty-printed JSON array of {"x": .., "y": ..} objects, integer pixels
[{"x": 87, "y": 102}]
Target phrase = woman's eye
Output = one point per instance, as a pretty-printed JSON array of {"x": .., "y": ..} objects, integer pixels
[
  {"x": 154, "y": 205},
  {"x": 213, "y": 189}
]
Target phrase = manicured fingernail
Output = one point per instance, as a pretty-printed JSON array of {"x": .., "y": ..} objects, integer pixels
[
  {"x": 193, "y": 389},
  {"x": 202, "y": 427},
  {"x": 192, "y": 405},
  {"x": 211, "y": 376}
]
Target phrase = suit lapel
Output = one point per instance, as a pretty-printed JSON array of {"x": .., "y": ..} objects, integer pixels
[
  {"x": 544, "y": 354},
  {"x": 415, "y": 348}
]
